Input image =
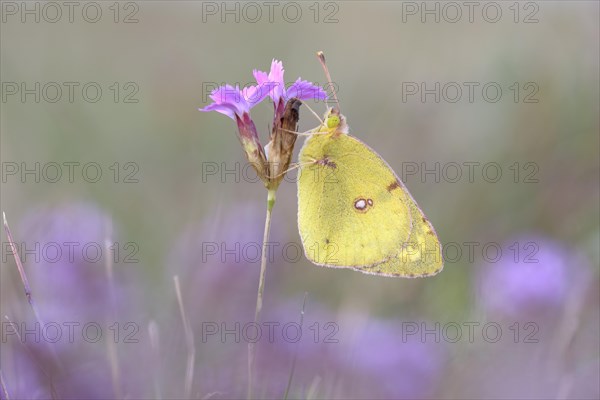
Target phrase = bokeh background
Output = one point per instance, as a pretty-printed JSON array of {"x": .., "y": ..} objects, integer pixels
[{"x": 522, "y": 324}]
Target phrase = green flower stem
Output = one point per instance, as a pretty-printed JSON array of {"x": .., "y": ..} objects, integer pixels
[{"x": 261, "y": 285}]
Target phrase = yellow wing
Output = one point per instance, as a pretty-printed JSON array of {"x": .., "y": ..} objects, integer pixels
[
  {"x": 352, "y": 209},
  {"x": 420, "y": 257}
]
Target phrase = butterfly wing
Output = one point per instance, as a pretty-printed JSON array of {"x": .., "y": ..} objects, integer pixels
[
  {"x": 420, "y": 257},
  {"x": 352, "y": 209}
]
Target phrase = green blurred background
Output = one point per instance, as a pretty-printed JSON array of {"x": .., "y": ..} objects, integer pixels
[{"x": 176, "y": 50}]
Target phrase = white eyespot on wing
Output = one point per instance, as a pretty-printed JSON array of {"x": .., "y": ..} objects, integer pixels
[{"x": 360, "y": 204}]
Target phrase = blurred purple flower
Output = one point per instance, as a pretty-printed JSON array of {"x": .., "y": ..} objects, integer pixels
[
  {"x": 65, "y": 250},
  {"x": 281, "y": 339},
  {"x": 315, "y": 344},
  {"x": 218, "y": 262},
  {"x": 533, "y": 274},
  {"x": 386, "y": 366},
  {"x": 24, "y": 379},
  {"x": 64, "y": 253}
]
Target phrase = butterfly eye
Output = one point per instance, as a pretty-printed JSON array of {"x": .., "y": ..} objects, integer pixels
[{"x": 333, "y": 121}]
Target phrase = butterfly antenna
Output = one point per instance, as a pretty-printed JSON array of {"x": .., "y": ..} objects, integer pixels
[
  {"x": 295, "y": 166},
  {"x": 315, "y": 114},
  {"x": 307, "y": 133},
  {"x": 321, "y": 57}
]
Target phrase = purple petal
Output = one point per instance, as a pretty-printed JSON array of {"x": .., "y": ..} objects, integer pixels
[
  {"x": 305, "y": 90},
  {"x": 229, "y": 101},
  {"x": 276, "y": 80},
  {"x": 270, "y": 84},
  {"x": 226, "y": 109},
  {"x": 260, "y": 76},
  {"x": 277, "y": 71},
  {"x": 255, "y": 94}
]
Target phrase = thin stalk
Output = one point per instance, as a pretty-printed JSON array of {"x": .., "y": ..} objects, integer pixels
[
  {"x": 24, "y": 279},
  {"x": 26, "y": 287},
  {"x": 293, "y": 369},
  {"x": 3, "y": 390},
  {"x": 113, "y": 358},
  {"x": 261, "y": 286},
  {"x": 35, "y": 357},
  {"x": 189, "y": 340},
  {"x": 566, "y": 335},
  {"x": 153, "y": 334}
]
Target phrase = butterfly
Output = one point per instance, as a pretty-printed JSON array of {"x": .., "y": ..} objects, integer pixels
[{"x": 354, "y": 212}]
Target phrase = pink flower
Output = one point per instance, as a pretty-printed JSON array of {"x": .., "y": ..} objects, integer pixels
[
  {"x": 233, "y": 101},
  {"x": 275, "y": 86},
  {"x": 236, "y": 104}
]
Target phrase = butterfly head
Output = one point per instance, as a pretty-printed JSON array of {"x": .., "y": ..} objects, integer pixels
[{"x": 335, "y": 122}]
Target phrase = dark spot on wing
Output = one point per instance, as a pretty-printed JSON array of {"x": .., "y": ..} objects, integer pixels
[
  {"x": 393, "y": 185},
  {"x": 326, "y": 241},
  {"x": 430, "y": 232},
  {"x": 326, "y": 162}
]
